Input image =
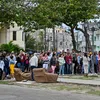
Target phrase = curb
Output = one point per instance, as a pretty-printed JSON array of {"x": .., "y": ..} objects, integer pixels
[{"x": 79, "y": 83}]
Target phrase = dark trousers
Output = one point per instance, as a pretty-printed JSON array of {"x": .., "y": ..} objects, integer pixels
[
  {"x": 1, "y": 72},
  {"x": 95, "y": 68},
  {"x": 26, "y": 67},
  {"x": 69, "y": 68},
  {"x": 32, "y": 74},
  {"x": 7, "y": 70},
  {"x": 65, "y": 69},
  {"x": 22, "y": 66},
  {"x": 75, "y": 67}
]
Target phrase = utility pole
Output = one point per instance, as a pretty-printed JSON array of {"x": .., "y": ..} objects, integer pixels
[
  {"x": 93, "y": 29},
  {"x": 77, "y": 40},
  {"x": 54, "y": 38},
  {"x": 56, "y": 41},
  {"x": 63, "y": 42},
  {"x": 45, "y": 39}
]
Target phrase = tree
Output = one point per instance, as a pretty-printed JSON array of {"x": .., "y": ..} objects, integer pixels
[
  {"x": 79, "y": 11},
  {"x": 69, "y": 12},
  {"x": 45, "y": 15},
  {"x": 30, "y": 42},
  {"x": 19, "y": 11},
  {"x": 41, "y": 42}
]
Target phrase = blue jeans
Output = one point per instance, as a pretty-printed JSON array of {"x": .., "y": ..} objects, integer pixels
[
  {"x": 61, "y": 70},
  {"x": 32, "y": 74},
  {"x": 69, "y": 68},
  {"x": 7, "y": 70}
]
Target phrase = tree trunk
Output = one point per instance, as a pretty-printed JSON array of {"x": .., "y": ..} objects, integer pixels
[
  {"x": 87, "y": 40},
  {"x": 88, "y": 43},
  {"x": 73, "y": 39}
]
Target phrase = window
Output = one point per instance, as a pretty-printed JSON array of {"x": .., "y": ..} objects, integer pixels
[
  {"x": 95, "y": 38},
  {"x": 14, "y": 35},
  {"x": 98, "y": 47},
  {"x": 60, "y": 43}
]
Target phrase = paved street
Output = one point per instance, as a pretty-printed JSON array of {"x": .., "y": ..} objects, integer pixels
[{"x": 24, "y": 93}]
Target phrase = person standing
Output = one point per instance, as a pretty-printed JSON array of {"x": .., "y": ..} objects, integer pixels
[
  {"x": 26, "y": 63},
  {"x": 22, "y": 56},
  {"x": 6, "y": 67},
  {"x": 79, "y": 63},
  {"x": 53, "y": 63},
  {"x": 18, "y": 63},
  {"x": 61, "y": 64},
  {"x": 91, "y": 69},
  {"x": 99, "y": 62},
  {"x": 85, "y": 64},
  {"x": 12, "y": 65},
  {"x": 1, "y": 67},
  {"x": 33, "y": 64},
  {"x": 45, "y": 61},
  {"x": 68, "y": 60},
  {"x": 95, "y": 60}
]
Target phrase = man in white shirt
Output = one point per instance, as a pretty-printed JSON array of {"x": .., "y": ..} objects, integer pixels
[
  {"x": 33, "y": 64},
  {"x": 1, "y": 67}
]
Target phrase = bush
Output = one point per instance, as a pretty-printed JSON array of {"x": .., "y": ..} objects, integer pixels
[{"x": 10, "y": 47}]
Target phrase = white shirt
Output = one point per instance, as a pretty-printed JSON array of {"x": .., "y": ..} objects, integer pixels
[
  {"x": 85, "y": 60},
  {"x": 2, "y": 65},
  {"x": 34, "y": 61}
]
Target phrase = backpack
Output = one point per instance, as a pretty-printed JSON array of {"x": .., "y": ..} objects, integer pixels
[{"x": 18, "y": 65}]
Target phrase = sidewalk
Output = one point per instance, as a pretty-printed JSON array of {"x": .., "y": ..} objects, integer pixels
[{"x": 94, "y": 82}]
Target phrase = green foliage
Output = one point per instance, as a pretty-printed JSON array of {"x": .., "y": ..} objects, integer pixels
[
  {"x": 10, "y": 47},
  {"x": 19, "y": 11},
  {"x": 70, "y": 12},
  {"x": 32, "y": 43},
  {"x": 41, "y": 42}
]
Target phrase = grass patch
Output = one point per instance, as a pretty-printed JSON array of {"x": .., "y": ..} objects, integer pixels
[
  {"x": 87, "y": 78},
  {"x": 82, "y": 77},
  {"x": 94, "y": 92},
  {"x": 6, "y": 82},
  {"x": 71, "y": 87}
]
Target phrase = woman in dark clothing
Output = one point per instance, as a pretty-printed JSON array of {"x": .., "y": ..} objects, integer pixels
[
  {"x": 27, "y": 64},
  {"x": 6, "y": 67},
  {"x": 18, "y": 64},
  {"x": 53, "y": 63}
]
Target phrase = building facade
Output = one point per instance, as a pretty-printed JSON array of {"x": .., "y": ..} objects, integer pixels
[
  {"x": 81, "y": 44},
  {"x": 14, "y": 34},
  {"x": 60, "y": 38}
]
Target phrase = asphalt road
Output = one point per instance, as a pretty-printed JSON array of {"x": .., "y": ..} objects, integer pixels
[{"x": 25, "y": 93}]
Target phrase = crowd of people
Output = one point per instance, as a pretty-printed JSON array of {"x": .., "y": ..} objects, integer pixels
[{"x": 53, "y": 62}]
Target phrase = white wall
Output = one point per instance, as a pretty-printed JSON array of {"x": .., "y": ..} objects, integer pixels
[
  {"x": 3, "y": 36},
  {"x": 19, "y": 32}
]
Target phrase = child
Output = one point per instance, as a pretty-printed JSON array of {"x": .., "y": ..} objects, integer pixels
[{"x": 12, "y": 64}]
